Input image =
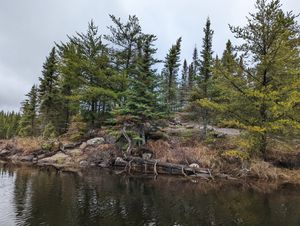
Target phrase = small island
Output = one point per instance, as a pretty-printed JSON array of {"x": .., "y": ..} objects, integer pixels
[{"x": 105, "y": 102}]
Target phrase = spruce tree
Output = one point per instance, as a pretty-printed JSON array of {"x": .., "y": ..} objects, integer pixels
[
  {"x": 125, "y": 38},
  {"x": 191, "y": 77},
  {"x": 205, "y": 69},
  {"x": 28, "y": 122},
  {"x": 184, "y": 85},
  {"x": 87, "y": 76},
  {"x": 50, "y": 99},
  {"x": 196, "y": 62},
  {"x": 170, "y": 77},
  {"x": 140, "y": 110},
  {"x": 203, "y": 87}
]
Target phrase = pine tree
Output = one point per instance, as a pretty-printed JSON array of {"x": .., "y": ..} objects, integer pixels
[
  {"x": 170, "y": 74},
  {"x": 196, "y": 63},
  {"x": 191, "y": 77},
  {"x": 125, "y": 37},
  {"x": 205, "y": 69},
  {"x": 28, "y": 122},
  {"x": 203, "y": 88},
  {"x": 184, "y": 85},
  {"x": 50, "y": 98},
  {"x": 140, "y": 110},
  {"x": 264, "y": 98},
  {"x": 87, "y": 76}
]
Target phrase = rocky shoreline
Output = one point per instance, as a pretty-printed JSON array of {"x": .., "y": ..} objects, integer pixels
[
  {"x": 98, "y": 152},
  {"x": 158, "y": 159}
]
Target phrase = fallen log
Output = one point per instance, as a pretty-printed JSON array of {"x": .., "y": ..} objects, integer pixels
[{"x": 153, "y": 166}]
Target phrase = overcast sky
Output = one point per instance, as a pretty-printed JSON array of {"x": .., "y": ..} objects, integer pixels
[{"x": 29, "y": 28}]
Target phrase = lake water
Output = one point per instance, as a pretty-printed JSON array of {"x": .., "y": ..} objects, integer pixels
[{"x": 30, "y": 196}]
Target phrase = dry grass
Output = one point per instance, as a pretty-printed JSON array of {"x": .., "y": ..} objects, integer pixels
[
  {"x": 26, "y": 145},
  {"x": 176, "y": 153},
  {"x": 266, "y": 171}
]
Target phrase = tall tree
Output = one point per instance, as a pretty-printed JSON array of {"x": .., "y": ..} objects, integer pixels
[
  {"x": 140, "y": 110},
  {"x": 203, "y": 88},
  {"x": 196, "y": 62},
  {"x": 28, "y": 123},
  {"x": 170, "y": 74},
  {"x": 87, "y": 75},
  {"x": 184, "y": 84},
  {"x": 49, "y": 93},
  {"x": 268, "y": 90},
  {"x": 205, "y": 68}
]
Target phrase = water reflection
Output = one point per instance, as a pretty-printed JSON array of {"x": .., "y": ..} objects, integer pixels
[{"x": 40, "y": 197}]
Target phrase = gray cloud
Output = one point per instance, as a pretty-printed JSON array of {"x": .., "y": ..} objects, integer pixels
[{"x": 28, "y": 30}]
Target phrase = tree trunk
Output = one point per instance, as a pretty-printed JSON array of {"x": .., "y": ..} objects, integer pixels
[
  {"x": 128, "y": 151},
  {"x": 142, "y": 135}
]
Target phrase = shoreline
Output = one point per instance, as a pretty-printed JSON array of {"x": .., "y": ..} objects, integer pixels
[{"x": 78, "y": 157}]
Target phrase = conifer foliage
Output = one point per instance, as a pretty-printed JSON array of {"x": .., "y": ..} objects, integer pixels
[
  {"x": 170, "y": 77},
  {"x": 262, "y": 92}
]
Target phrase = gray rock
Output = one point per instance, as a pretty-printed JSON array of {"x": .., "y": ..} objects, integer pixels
[
  {"x": 58, "y": 158},
  {"x": 83, "y": 163},
  {"x": 95, "y": 141},
  {"x": 83, "y": 145},
  {"x": 4, "y": 152},
  {"x": 26, "y": 158},
  {"x": 74, "y": 152},
  {"x": 71, "y": 145},
  {"x": 194, "y": 165},
  {"x": 41, "y": 156},
  {"x": 147, "y": 155},
  {"x": 119, "y": 160},
  {"x": 103, "y": 164}
]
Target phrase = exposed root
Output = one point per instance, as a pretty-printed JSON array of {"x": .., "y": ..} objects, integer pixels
[
  {"x": 155, "y": 169},
  {"x": 128, "y": 151},
  {"x": 182, "y": 170},
  {"x": 129, "y": 166},
  {"x": 211, "y": 176}
]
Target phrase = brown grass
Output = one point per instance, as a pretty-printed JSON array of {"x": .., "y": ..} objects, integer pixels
[
  {"x": 26, "y": 145},
  {"x": 263, "y": 170},
  {"x": 176, "y": 153}
]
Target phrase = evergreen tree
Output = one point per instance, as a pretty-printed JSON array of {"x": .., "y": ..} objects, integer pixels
[
  {"x": 141, "y": 109},
  {"x": 191, "y": 76},
  {"x": 28, "y": 122},
  {"x": 125, "y": 38},
  {"x": 205, "y": 69},
  {"x": 49, "y": 94},
  {"x": 203, "y": 88},
  {"x": 196, "y": 63},
  {"x": 93, "y": 85},
  {"x": 264, "y": 98},
  {"x": 170, "y": 74},
  {"x": 9, "y": 123},
  {"x": 184, "y": 85}
]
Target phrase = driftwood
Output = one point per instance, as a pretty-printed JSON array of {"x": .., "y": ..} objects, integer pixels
[{"x": 152, "y": 166}]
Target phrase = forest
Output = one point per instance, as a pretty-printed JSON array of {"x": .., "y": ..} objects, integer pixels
[{"x": 114, "y": 80}]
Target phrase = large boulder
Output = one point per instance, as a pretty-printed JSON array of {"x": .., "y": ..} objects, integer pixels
[
  {"x": 59, "y": 158},
  {"x": 95, "y": 141}
]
